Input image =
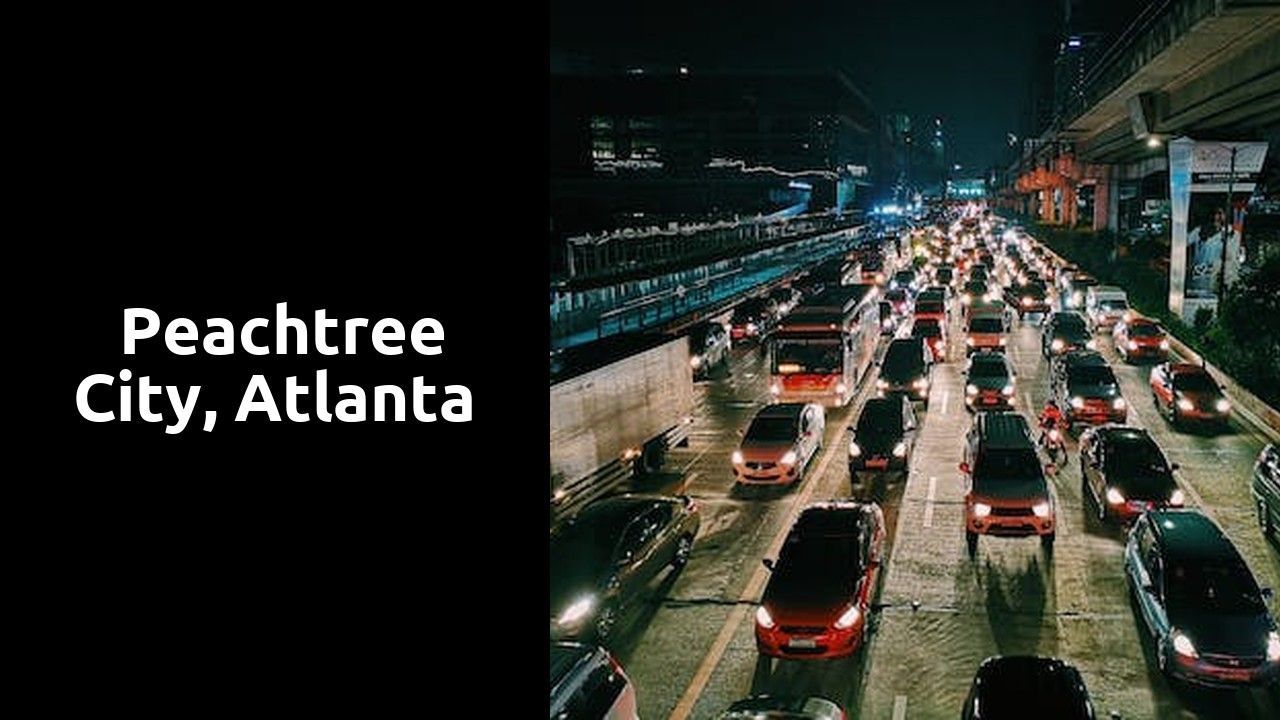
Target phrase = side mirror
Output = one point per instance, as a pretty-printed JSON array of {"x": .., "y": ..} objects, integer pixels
[
  {"x": 964, "y": 468},
  {"x": 768, "y": 563},
  {"x": 1174, "y": 466},
  {"x": 1267, "y": 593}
]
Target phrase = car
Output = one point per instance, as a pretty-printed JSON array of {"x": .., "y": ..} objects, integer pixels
[
  {"x": 991, "y": 382},
  {"x": 1064, "y": 332},
  {"x": 708, "y": 348},
  {"x": 931, "y": 305},
  {"x": 603, "y": 559},
  {"x": 935, "y": 336},
  {"x": 1266, "y": 489},
  {"x": 945, "y": 275},
  {"x": 1105, "y": 305},
  {"x": 943, "y": 291},
  {"x": 984, "y": 332},
  {"x": 888, "y": 319},
  {"x": 1185, "y": 392},
  {"x": 784, "y": 707},
  {"x": 819, "y": 593},
  {"x": 906, "y": 279},
  {"x": 907, "y": 369},
  {"x": 1085, "y": 389},
  {"x": 1073, "y": 294},
  {"x": 1199, "y": 602},
  {"x": 1028, "y": 299},
  {"x": 1013, "y": 687},
  {"x": 974, "y": 291},
  {"x": 779, "y": 444},
  {"x": 587, "y": 682},
  {"x": 899, "y": 301},
  {"x": 751, "y": 319},
  {"x": 883, "y": 437},
  {"x": 1007, "y": 495},
  {"x": 1140, "y": 338},
  {"x": 1124, "y": 473},
  {"x": 873, "y": 268},
  {"x": 784, "y": 299}
]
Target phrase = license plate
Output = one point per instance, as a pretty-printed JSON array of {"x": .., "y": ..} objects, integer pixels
[
  {"x": 1232, "y": 673},
  {"x": 878, "y": 463},
  {"x": 989, "y": 401},
  {"x": 808, "y": 643}
]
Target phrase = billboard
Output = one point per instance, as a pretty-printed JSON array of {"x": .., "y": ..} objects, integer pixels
[{"x": 1209, "y": 185}]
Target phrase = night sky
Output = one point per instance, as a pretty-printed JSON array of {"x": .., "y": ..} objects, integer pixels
[{"x": 967, "y": 62}]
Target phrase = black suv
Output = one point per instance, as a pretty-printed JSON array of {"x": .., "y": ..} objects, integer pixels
[
  {"x": 1085, "y": 389},
  {"x": 1199, "y": 602},
  {"x": 1266, "y": 489},
  {"x": 906, "y": 370},
  {"x": 1024, "y": 686},
  {"x": 1064, "y": 332},
  {"x": 991, "y": 382},
  {"x": 884, "y": 436},
  {"x": 1008, "y": 495},
  {"x": 1028, "y": 298},
  {"x": 1124, "y": 472}
]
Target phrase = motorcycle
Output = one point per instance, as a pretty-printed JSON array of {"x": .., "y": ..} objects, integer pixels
[{"x": 1054, "y": 445}]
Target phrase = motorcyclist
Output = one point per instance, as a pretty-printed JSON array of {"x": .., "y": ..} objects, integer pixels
[{"x": 1050, "y": 419}]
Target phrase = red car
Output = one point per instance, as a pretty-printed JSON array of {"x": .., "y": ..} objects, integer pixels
[
  {"x": 1141, "y": 338},
  {"x": 934, "y": 333},
  {"x": 1183, "y": 391},
  {"x": 823, "y": 583}
]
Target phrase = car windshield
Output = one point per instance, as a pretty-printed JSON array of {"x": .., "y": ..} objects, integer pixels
[
  {"x": 1195, "y": 382},
  {"x": 944, "y": 274},
  {"x": 1069, "y": 322},
  {"x": 1144, "y": 330},
  {"x": 700, "y": 336},
  {"x": 903, "y": 357},
  {"x": 1091, "y": 375},
  {"x": 806, "y": 356},
  {"x": 1114, "y": 305},
  {"x": 925, "y": 329},
  {"x": 806, "y": 559},
  {"x": 929, "y": 306},
  {"x": 1018, "y": 464},
  {"x": 1201, "y": 584},
  {"x": 988, "y": 369},
  {"x": 986, "y": 325},
  {"x": 773, "y": 429},
  {"x": 881, "y": 418},
  {"x": 895, "y": 295},
  {"x": 975, "y": 286},
  {"x": 1136, "y": 466},
  {"x": 746, "y": 312}
]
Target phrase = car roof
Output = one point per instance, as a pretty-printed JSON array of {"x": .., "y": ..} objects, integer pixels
[
  {"x": 989, "y": 357},
  {"x": 1186, "y": 369},
  {"x": 836, "y": 518},
  {"x": 1004, "y": 430},
  {"x": 1143, "y": 321},
  {"x": 1084, "y": 357},
  {"x": 1186, "y": 533},
  {"x": 1004, "y": 679},
  {"x": 1111, "y": 433},
  {"x": 616, "y": 510},
  {"x": 782, "y": 410}
]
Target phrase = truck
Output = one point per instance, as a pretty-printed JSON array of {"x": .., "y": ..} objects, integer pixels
[{"x": 617, "y": 405}]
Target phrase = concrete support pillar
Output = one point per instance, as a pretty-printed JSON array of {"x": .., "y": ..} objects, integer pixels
[{"x": 1101, "y": 202}]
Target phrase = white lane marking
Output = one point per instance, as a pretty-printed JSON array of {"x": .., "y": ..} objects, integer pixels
[
  {"x": 928, "y": 501},
  {"x": 1026, "y": 401},
  {"x": 946, "y": 395},
  {"x": 755, "y": 585},
  {"x": 688, "y": 480},
  {"x": 900, "y": 707}
]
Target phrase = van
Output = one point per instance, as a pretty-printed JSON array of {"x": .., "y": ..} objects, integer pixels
[{"x": 1104, "y": 305}]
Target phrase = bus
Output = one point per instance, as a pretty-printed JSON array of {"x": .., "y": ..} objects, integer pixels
[
  {"x": 822, "y": 349},
  {"x": 837, "y": 271}
]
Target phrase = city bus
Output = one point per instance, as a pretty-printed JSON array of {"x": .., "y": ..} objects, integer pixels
[
  {"x": 837, "y": 271},
  {"x": 820, "y": 351}
]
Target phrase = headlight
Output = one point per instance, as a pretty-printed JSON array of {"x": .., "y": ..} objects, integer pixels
[
  {"x": 1007, "y": 391},
  {"x": 695, "y": 361},
  {"x": 900, "y": 450},
  {"x": 1115, "y": 497},
  {"x": 577, "y": 610},
  {"x": 881, "y": 383},
  {"x": 774, "y": 389},
  {"x": 1176, "y": 497},
  {"x": 1003, "y": 341},
  {"x": 736, "y": 457},
  {"x": 1041, "y": 509},
  {"x": 1182, "y": 645},
  {"x": 1091, "y": 345},
  {"x": 854, "y": 450},
  {"x": 789, "y": 458},
  {"x": 751, "y": 328},
  {"x": 1132, "y": 345},
  {"x": 1164, "y": 344},
  {"x": 841, "y": 388},
  {"x": 981, "y": 510},
  {"x": 1077, "y": 402},
  {"x": 763, "y": 618},
  {"x": 1118, "y": 403},
  {"x": 849, "y": 618},
  {"x": 966, "y": 299},
  {"x": 920, "y": 384},
  {"x": 1185, "y": 404},
  {"x": 970, "y": 389},
  {"x": 968, "y": 341},
  {"x": 1273, "y": 646},
  {"x": 1075, "y": 299},
  {"x": 1026, "y": 302},
  {"x": 1222, "y": 405},
  {"x": 1057, "y": 345}
]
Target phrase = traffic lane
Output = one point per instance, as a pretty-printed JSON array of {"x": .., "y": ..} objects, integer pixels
[
  {"x": 738, "y": 670},
  {"x": 663, "y": 652}
]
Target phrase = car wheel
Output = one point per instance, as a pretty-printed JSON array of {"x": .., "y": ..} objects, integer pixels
[
  {"x": 1046, "y": 542},
  {"x": 606, "y": 621},
  {"x": 684, "y": 546},
  {"x": 971, "y": 540}
]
